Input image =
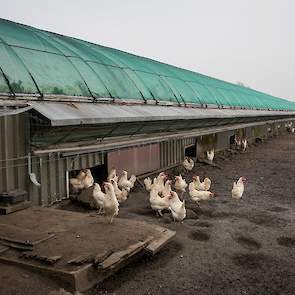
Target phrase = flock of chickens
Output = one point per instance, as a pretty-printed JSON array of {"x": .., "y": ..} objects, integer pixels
[
  {"x": 116, "y": 191},
  {"x": 161, "y": 195}
]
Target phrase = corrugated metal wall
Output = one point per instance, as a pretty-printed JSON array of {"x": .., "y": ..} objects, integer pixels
[
  {"x": 172, "y": 151},
  {"x": 51, "y": 171},
  {"x": 135, "y": 160},
  {"x": 223, "y": 140},
  {"x": 13, "y": 152}
]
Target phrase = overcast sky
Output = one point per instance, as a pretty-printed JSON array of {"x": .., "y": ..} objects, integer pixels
[{"x": 252, "y": 41}]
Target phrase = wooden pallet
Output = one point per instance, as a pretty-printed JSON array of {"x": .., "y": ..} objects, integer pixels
[
  {"x": 84, "y": 259},
  {"x": 4, "y": 210}
]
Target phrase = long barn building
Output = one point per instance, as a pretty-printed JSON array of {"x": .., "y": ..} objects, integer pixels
[{"x": 68, "y": 104}]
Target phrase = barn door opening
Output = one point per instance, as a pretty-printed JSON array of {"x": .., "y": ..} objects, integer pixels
[
  {"x": 99, "y": 174},
  {"x": 191, "y": 150}
]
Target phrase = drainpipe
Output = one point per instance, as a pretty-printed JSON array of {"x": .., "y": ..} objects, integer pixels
[{"x": 32, "y": 175}]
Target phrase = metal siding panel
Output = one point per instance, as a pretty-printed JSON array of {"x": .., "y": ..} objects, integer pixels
[
  {"x": 10, "y": 153},
  {"x": 135, "y": 160},
  {"x": 169, "y": 153},
  {"x": 44, "y": 179},
  {"x": 166, "y": 153},
  {"x": 61, "y": 179},
  {"x": 15, "y": 149},
  {"x": 12, "y": 145},
  {"x": 53, "y": 178},
  {"x": 23, "y": 177},
  {"x": 3, "y": 153},
  {"x": 34, "y": 191}
]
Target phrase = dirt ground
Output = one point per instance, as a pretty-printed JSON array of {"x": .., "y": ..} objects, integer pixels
[{"x": 226, "y": 246}]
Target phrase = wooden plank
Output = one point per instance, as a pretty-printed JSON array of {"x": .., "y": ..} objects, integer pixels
[
  {"x": 17, "y": 246},
  {"x": 119, "y": 256},
  {"x": 86, "y": 258},
  {"x": 165, "y": 236},
  {"x": 34, "y": 256},
  {"x": 3, "y": 248},
  {"x": 101, "y": 257},
  {"x": 4, "y": 210},
  {"x": 20, "y": 236},
  {"x": 47, "y": 270}
]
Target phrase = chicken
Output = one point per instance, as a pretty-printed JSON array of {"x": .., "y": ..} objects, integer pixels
[
  {"x": 238, "y": 141},
  {"x": 201, "y": 186},
  {"x": 244, "y": 144},
  {"x": 180, "y": 184},
  {"x": 177, "y": 207},
  {"x": 110, "y": 202},
  {"x": 197, "y": 195},
  {"x": 148, "y": 184},
  {"x": 121, "y": 195},
  {"x": 76, "y": 182},
  {"x": 113, "y": 176},
  {"x": 210, "y": 155},
  {"x": 188, "y": 163},
  {"x": 125, "y": 183},
  {"x": 167, "y": 189},
  {"x": 88, "y": 179},
  {"x": 98, "y": 198},
  {"x": 158, "y": 183},
  {"x": 158, "y": 203},
  {"x": 238, "y": 188}
]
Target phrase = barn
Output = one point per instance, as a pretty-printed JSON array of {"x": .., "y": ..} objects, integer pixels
[{"x": 68, "y": 104}]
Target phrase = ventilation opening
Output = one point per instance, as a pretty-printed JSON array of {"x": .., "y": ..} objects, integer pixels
[{"x": 191, "y": 151}]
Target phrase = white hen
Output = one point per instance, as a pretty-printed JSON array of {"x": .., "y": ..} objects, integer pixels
[
  {"x": 121, "y": 195},
  {"x": 88, "y": 179},
  {"x": 238, "y": 188},
  {"x": 167, "y": 189},
  {"x": 177, "y": 207},
  {"x": 113, "y": 176},
  {"x": 158, "y": 183},
  {"x": 77, "y": 182},
  {"x": 148, "y": 184},
  {"x": 201, "y": 186},
  {"x": 180, "y": 183},
  {"x": 210, "y": 155},
  {"x": 188, "y": 163},
  {"x": 110, "y": 202},
  {"x": 98, "y": 198},
  {"x": 126, "y": 183},
  {"x": 197, "y": 195},
  {"x": 157, "y": 203},
  {"x": 244, "y": 144}
]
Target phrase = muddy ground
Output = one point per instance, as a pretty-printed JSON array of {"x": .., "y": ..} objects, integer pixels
[{"x": 227, "y": 246}]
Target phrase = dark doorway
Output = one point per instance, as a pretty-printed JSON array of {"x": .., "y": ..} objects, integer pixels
[
  {"x": 100, "y": 173},
  {"x": 191, "y": 151},
  {"x": 232, "y": 140}
]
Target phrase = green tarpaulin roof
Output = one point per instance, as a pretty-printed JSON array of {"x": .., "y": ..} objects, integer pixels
[{"x": 33, "y": 61}]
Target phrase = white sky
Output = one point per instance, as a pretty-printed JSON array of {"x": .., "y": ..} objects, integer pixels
[{"x": 252, "y": 41}]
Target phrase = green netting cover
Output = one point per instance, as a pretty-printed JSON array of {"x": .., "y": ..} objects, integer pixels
[{"x": 37, "y": 62}]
